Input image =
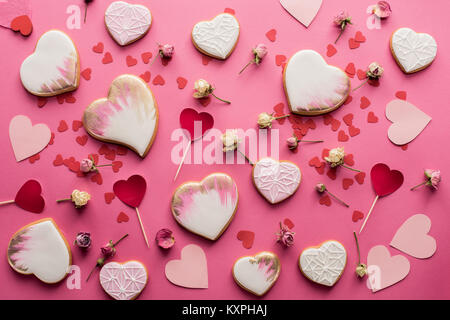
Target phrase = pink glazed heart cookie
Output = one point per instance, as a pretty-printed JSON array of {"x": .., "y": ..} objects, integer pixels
[
  {"x": 128, "y": 116},
  {"x": 276, "y": 180},
  {"x": 206, "y": 208},
  {"x": 257, "y": 274},
  {"x": 127, "y": 23},
  {"x": 123, "y": 281},
  {"x": 312, "y": 86},
  {"x": 53, "y": 68},
  {"x": 40, "y": 248},
  {"x": 218, "y": 37}
]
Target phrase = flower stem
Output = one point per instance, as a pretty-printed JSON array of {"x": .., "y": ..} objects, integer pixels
[
  {"x": 251, "y": 62},
  {"x": 343, "y": 165},
  {"x": 246, "y": 158},
  {"x": 85, "y": 12},
  {"x": 337, "y": 198},
  {"x": 285, "y": 116},
  {"x": 311, "y": 141},
  {"x": 90, "y": 273},
  {"x": 357, "y": 248},
  {"x": 62, "y": 200},
  {"x": 115, "y": 244},
  {"x": 104, "y": 165},
  {"x": 419, "y": 185},
  {"x": 340, "y": 34},
  {"x": 220, "y": 99},
  {"x": 361, "y": 85}
]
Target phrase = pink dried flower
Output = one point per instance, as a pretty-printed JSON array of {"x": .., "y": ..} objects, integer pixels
[
  {"x": 259, "y": 52},
  {"x": 342, "y": 20},
  {"x": 83, "y": 240},
  {"x": 321, "y": 188},
  {"x": 164, "y": 238},
  {"x": 292, "y": 142},
  {"x": 382, "y": 9},
  {"x": 87, "y": 165},
  {"x": 166, "y": 51},
  {"x": 285, "y": 236},
  {"x": 433, "y": 179}
]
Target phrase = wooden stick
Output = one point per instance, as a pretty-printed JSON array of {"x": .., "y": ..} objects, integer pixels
[
  {"x": 142, "y": 227},
  {"x": 182, "y": 159},
  {"x": 368, "y": 215},
  {"x": 6, "y": 202}
]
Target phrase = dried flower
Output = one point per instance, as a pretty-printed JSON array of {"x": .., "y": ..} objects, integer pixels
[
  {"x": 87, "y": 165},
  {"x": 79, "y": 198},
  {"x": 166, "y": 51},
  {"x": 292, "y": 142},
  {"x": 164, "y": 238},
  {"x": 83, "y": 240},
  {"x": 341, "y": 20},
  {"x": 361, "y": 268},
  {"x": 336, "y": 158},
  {"x": 433, "y": 178},
  {"x": 259, "y": 52},
  {"x": 285, "y": 236},
  {"x": 382, "y": 9},
  {"x": 265, "y": 120},
  {"x": 374, "y": 72},
  {"x": 203, "y": 89},
  {"x": 321, "y": 188},
  {"x": 230, "y": 140}
]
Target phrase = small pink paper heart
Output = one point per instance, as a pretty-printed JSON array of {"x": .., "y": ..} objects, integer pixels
[
  {"x": 302, "y": 10},
  {"x": 26, "y": 139},
  {"x": 412, "y": 237},
  {"x": 191, "y": 271}
]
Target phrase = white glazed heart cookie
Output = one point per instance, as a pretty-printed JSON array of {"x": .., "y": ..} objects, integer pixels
[
  {"x": 257, "y": 274},
  {"x": 128, "y": 116},
  {"x": 217, "y": 37},
  {"x": 53, "y": 68},
  {"x": 40, "y": 248},
  {"x": 412, "y": 51},
  {"x": 276, "y": 180},
  {"x": 325, "y": 263},
  {"x": 123, "y": 281},
  {"x": 312, "y": 86},
  {"x": 127, "y": 23},
  {"x": 206, "y": 208}
]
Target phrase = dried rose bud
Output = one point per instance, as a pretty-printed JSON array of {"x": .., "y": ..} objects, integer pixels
[
  {"x": 83, "y": 240},
  {"x": 285, "y": 236},
  {"x": 108, "y": 250},
  {"x": 166, "y": 51},
  {"x": 87, "y": 165},
  {"x": 164, "y": 238}
]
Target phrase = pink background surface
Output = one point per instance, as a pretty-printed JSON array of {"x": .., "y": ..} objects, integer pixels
[{"x": 255, "y": 91}]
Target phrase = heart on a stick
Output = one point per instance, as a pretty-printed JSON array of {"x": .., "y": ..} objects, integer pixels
[
  {"x": 131, "y": 191},
  {"x": 384, "y": 180},
  {"x": 302, "y": 10},
  {"x": 196, "y": 124}
]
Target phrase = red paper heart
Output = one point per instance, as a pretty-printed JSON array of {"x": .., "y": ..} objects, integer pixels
[
  {"x": 327, "y": 119},
  {"x": 280, "y": 59},
  {"x": 146, "y": 56},
  {"x": 111, "y": 155},
  {"x": 331, "y": 50},
  {"x": 82, "y": 140},
  {"x": 357, "y": 215},
  {"x": 272, "y": 35},
  {"x": 353, "y": 131},
  {"x": 321, "y": 169},
  {"x": 52, "y": 139},
  {"x": 131, "y": 191},
  {"x": 206, "y": 60},
  {"x": 93, "y": 156},
  {"x": 29, "y": 197},
  {"x": 74, "y": 166},
  {"x": 247, "y": 238},
  {"x": 348, "y": 159},
  {"x": 146, "y": 76},
  {"x": 121, "y": 151},
  {"x": 159, "y": 80},
  {"x": 346, "y": 183},
  {"x": 342, "y": 136},
  {"x": 384, "y": 180},
  {"x": 34, "y": 158},
  {"x": 359, "y": 177},
  {"x": 62, "y": 126},
  {"x": 86, "y": 74},
  {"x": 116, "y": 165},
  {"x": 348, "y": 100},
  {"x": 279, "y": 109},
  {"x": 401, "y": 95},
  {"x": 69, "y": 98},
  {"x": 364, "y": 102},
  {"x": 359, "y": 37},
  {"x": 325, "y": 200},
  {"x": 107, "y": 58},
  {"x": 325, "y": 153},
  {"x": 41, "y": 102},
  {"x": 109, "y": 197},
  {"x": 104, "y": 149},
  {"x": 98, "y": 48},
  {"x": 97, "y": 178},
  {"x": 122, "y": 217},
  {"x": 182, "y": 82},
  {"x": 288, "y": 223},
  {"x": 361, "y": 74},
  {"x": 230, "y": 11},
  {"x": 310, "y": 124},
  {"x": 204, "y": 121},
  {"x": 131, "y": 61},
  {"x": 23, "y": 25},
  {"x": 348, "y": 119},
  {"x": 315, "y": 162},
  {"x": 335, "y": 124},
  {"x": 204, "y": 101},
  {"x": 58, "y": 160},
  {"x": 372, "y": 118},
  {"x": 76, "y": 124},
  {"x": 352, "y": 43},
  {"x": 350, "y": 70},
  {"x": 331, "y": 173}
]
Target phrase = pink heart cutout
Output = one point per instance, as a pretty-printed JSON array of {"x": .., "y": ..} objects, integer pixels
[
  {"x": 408, "y": 121},
  {"x": 302, "y": 10},
  {"x": 384, "y": 270},
  {"x": 191, "y": 271},
  {"x": 412, "y": 237},
  {"x": 26, "y": 139}
]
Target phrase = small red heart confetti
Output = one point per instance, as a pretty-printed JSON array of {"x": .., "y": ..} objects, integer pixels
[
  {"x": 93, "y": 156},
  {"x": 331, "y": 50},
  {"x": 353, "y": 131},
  {"x": 76, "y": 124},
  {"x": 325, "y": 200},
  {"x": 360, "y": 176},
  {"x": 121, "y": 151},
  {"x": 182, "y": 82},
  {"x": 34, "y": 158},
  {"x": 22, "y": 24},
  {"x": 60, "y": 98},
  {"x": 86, "y": 74},
  {"x": 288, "y": 223},
  {"x": 348, "y": 119},
  {"x": 146, "y": 76},
  {"x": 109, "y": 197},
  {"x": 82, "y": 140},
  {"x": 247, "y": 238},
  {"x": 401, "y": 95},
  {"x": 29, "y": 197},
  {"x": 52, "y": 139},
  {"x": 321, "y": 169},
  {"x": 350, "y": 70},
  {"x": 104, "y": 149},
  {"x": 346, "y": 183},
  {"x": 131, "y": 61},
  {"x": 204, "y": 101},
  {"x": 327, "y": 119},
  {"x": 206, "y": 60},
  {"x": 280, "y": 59},
  {"x": 74, "y": 166},
  {"x": 98, "y": 48},
  {"x": 272, "y": 35},
  {"x": 348, "y": 100},
  {"x": 364, "y": 102},
  {"x": 146, "y": 56},
  {"x": 159, "y": 80},
  {"x": 353, "y": 44},
  {"x": 348, "y": 159},
  {"x": 69, "y": 161},
  {"x": 62, "y": 126},
  {"x": 357, "y": 215},
  {"x": 41, "y": 101},
  {"x": 122, "y": 217},
  {"x": 230, "y": 11},
  {"x": 361, "y": 74},
  {"x": 331, "y": 173},
  {"x": 359, "y": 37},
  {"x": 97, "y": 177},
  {"x": 315, "y": 162},
  {"x": 69, "y": 98},
  {"x": 111, "y": 155},
  {"x": 325, "y": 153},
  {"x": 107, "y": 58},
  {"x": 116, "y": 165},
  {"x": 58, "y": 160},
  {"x": 372, "y": 118},
  {"x": 404, "y": 147},
  {"x": 335, "y": 124},
  {"x": 342, "y": 136}
]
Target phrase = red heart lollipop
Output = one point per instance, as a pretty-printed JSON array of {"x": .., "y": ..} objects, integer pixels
[
  {"x": 29, "y": 197},
  {"x": 131, "y": 191},
  {"x": 384, "y": 180},
  {"x": 188, "y": 119}
]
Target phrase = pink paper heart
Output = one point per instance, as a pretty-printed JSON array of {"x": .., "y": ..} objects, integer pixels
[
  {"x": 191, "y": 271},
  {"x": 384, "y": 270},
  {"x": 412, "y": 237},
  {"x": 408, "y": 121},
  {"x": 26, "y": 139},
  {"x": 302, "y": 10}
]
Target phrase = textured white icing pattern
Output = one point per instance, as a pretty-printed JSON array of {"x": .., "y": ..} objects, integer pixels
[
  {"x": 218, "y": 36},
  {"x": 324, "y": 265},
  {"x": 127, "y": 22},
  {"x": 413, "y": 50},
  {"x": 275, "y": 180},
  {"x": 311, "y": 84},
  {"x": 53, "y": 66},
  {"x": 123, "y": 281},
  {"x": 40, "y": 250}
]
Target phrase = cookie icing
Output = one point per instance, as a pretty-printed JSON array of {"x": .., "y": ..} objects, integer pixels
[
  {"x": 413, "y": 51},
  {"x": 275, "y": 180},
  {"x": 128, "y": 116},
  {"x": 257, "y": 274},
  {"x": 127, "y": 23},
  {"x": 206, "y": 208},
  {"x": 312, "y": 86},
  {"x": 217, "y": 37},
  {"x": 123, "y": 281},
  {"x": 40, "y": 249},
  {"x": 325, "y": 264},
  {"x": 53, "y": 68}
]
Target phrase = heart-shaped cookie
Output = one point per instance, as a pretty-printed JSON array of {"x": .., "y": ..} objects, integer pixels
[
  {"x": 127, "y": 23},
  {"x": 302, "y": 10},
  {"x": 257, "y": 274},
  {"x": 206, "y": 208},
  {"x": 325, "y": 263},
  {"x": 408, "y": 121},
  {"x": 217, "y": 37},
  {"x": 128, "y": 116},
  {"x": 40, "y": 248},
  {"x": 123, "y": 281},
  {"x": 276, "y": 180},
  {"x": 312, "y": 86},
  {"x": 412, "y": 51},
  {"x": 54, "y": 66}
]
